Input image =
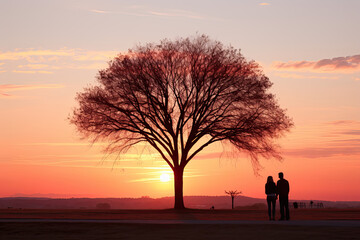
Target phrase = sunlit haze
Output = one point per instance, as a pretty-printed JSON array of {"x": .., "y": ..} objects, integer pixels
[
  {"x": 50, "y": 50},
  {"x": 164, "y": 177}
]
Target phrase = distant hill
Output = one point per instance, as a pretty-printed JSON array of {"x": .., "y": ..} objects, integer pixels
[{"x": 199, "y": 202}]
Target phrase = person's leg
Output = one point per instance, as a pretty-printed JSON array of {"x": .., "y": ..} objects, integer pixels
[
  {"x": 269, "y": 207},
  {"x": 273, "y": 208},
  {"x": 287, "y": 208},
  {"x": 281, "y": 201}
]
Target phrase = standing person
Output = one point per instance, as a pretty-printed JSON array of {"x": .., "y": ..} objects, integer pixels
[
  {"x": 270, "y": 190},
  {"x": 283, "y": 192}
]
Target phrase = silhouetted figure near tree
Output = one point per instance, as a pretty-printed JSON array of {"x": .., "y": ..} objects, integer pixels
[
  {"x": 283, "y": 193},
  {"x": 270, "y": 190}
]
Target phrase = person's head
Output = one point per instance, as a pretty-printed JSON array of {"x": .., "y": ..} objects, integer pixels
[
  {"x": 281, "y": 175},
  {"x": 270, "y": 179}
]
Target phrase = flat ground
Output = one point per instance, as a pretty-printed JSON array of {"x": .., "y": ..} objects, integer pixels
[{"x": 214, "y": 230}]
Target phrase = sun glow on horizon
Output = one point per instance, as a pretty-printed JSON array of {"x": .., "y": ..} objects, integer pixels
[{"x": 164, "y": 177}]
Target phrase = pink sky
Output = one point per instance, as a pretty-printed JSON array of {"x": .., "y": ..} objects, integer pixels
[{"x": 51, "y": 50}]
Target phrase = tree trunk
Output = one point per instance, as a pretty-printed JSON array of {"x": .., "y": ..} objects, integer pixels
[
  {"x": 178, "y": 187},
  {"x": 232, "y": 202}
]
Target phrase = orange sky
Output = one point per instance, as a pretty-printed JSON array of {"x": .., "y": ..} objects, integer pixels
[{"x": 53, "y": 50}]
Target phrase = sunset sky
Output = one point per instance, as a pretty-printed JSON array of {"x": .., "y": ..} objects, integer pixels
[{"x": 50, "y": 50}]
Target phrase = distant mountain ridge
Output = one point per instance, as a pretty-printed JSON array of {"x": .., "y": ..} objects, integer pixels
[{"x": 198, "y": 202}]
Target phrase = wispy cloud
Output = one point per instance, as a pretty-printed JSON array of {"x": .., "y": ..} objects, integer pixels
[
  {"x": 5, "y": 95},
  {"x": 343, "y": 122},
  {"x": 31, "y": 72},
  {"x": 98, "y": 11},
  {"x": 352, "y": 142},
  {"x": 352, "y": 132},
  {"x": 98, "y": 65},
  {"x": 154, "y": 179},
  {"x": 1, "y": 71},
  {"x": 84, "y": 163},
  {"x": 323, "y": 152},
  {"x": 62, "y": 144},
  {"x": 347, "y": 64},
  {"x": 299, "y": 76},
  {"x": 220, "y": 155},
  {"x": 90, "y": 160},
  {"x": 34, "y": 69},
  {"x": 38, "y": 55},
  {"x": 140, "y": 157},
  {"x": 264, "y": 4},
  {"x": 39, "y": 61},
  {"x": 144, "y": 11},
  {"x": 176, "y": 13},
  {"x": 86, "y": 55},
  {"x": 16, "y": 55},
  {"x": 335, "y": 138},
  {"x": 33, "y": 66},
  {"x": 13, "y": 87}
]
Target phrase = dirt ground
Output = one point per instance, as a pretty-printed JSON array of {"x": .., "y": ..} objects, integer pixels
[
  {"x": 54, "y": 231},
  {"x": 189, "y": 214}
]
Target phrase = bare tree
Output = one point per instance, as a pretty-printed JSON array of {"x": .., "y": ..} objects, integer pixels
[
  {"x": 232, "y": 194},
  {"x": 176, "y": 93}
]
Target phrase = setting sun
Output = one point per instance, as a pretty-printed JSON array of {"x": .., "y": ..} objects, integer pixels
[{"x": 164, "y": 177}]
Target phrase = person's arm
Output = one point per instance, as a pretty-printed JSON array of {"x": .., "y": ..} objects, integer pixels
[
  {"x": 288, "y": 187},
  {"x": 266, "y": 189}
]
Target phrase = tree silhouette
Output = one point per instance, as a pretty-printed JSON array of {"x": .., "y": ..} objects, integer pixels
[
  {"x": 232, "y": 194},
  {"x": 181, "y": 96}
]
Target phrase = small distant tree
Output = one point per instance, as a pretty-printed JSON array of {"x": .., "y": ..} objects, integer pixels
[
  {"x": 232, "y": 194},
  {"x": 180, "y": 97}
]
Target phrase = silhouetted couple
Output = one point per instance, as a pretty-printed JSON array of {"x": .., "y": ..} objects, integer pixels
[{"x": 273, "y": 191}]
